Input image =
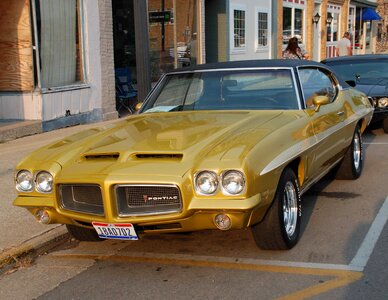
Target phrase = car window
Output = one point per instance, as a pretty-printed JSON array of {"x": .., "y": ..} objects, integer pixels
[
  {"x": 361, "y": 70},
  {"x": 262, "y": 89},
  {"x": 315, "y": 82}
]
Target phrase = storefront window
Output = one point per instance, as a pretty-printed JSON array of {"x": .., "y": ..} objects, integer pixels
[
  {"x": 368, "y": 34},
  {"x": 333, "y": 27},
  {"x": 287, "y": 24},
  {"x": 59, "y": 42},
  {"x": 292, "y": 24},
  {"x": 298, "y": 26},
  {"x": 172, "y": 34}
]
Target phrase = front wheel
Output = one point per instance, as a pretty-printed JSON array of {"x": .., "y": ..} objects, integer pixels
[
  {"x": 280, "y": 227},
  {"x": 351, "y": 165}
]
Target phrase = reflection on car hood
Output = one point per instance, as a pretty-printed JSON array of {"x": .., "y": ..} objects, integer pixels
[
  {"x": 155, "y": 138},
  {"x": 373, "y": 87}
]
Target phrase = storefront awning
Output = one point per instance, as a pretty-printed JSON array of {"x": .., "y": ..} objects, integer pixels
[{"x": 369, "y": 14}]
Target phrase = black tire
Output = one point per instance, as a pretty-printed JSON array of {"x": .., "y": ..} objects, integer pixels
[
  {"x": 352, "y": 163},
  {"x": 83, "y": 234},
  {"x": 280, "y": 227},
  {"x": 385, "y": 125}
]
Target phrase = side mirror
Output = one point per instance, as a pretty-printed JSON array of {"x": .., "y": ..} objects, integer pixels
[
  {"x": 352, "y": 83},
  {"x": 138, "y": 106},
  {"x": 319, "y": 101}
]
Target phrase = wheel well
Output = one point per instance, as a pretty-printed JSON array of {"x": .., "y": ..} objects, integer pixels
[
  {"x": 298, "y": 167},
  {"x": 362, "y": 124}
]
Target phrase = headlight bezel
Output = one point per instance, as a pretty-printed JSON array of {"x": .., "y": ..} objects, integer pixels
[
  {"x": 18, "y": 184},
  {"x": 224, "y": 175},
  {"x": 219, "y": 178},
  {"x": 37, "y": 185},
  {"x": 197, "y": 187},
  {"x": 382, "y": 99}
]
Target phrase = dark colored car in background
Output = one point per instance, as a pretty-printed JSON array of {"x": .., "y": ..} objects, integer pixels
[{"x": 370, "y": 75}]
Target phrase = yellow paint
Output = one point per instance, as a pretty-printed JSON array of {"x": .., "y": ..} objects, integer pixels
[
  {"x": 341, "y": 277},
  {"x": 343, "y": 280}
]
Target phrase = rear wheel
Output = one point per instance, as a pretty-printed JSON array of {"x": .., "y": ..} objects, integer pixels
[
  {"x": 351, "y": 165},
  {"x": 385, "y": 125},
  {"x": 83, "y": 234},
  {"x": 280, "y": 227}
]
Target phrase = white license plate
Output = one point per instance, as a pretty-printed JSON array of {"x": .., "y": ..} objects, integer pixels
[{"x": 115, "y": 231}]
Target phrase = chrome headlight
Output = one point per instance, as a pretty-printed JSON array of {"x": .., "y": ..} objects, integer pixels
[
  {"x": 24, "y": 181},
  {"x": 382, "y": 102},
  {"x": 233, "y": 182},
  {"x": 44, "y": 182},
  {"x": 206, "y": 182}
]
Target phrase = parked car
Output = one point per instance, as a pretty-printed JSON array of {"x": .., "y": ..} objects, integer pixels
[
  {"x": 369, "y": 74},
  {"x": 220, "y": 146}
]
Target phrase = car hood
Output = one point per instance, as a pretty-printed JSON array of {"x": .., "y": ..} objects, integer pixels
[
  {"x": 373, "y": 87},
  {"x": 163, "y": 139}
]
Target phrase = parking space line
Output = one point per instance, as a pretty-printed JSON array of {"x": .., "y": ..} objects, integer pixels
[
  {"x": 341, "y": 277},
  {"x": 343, "y": 274},
  {"x": 370, "y": 240},
  {"x": 318, "y": 289},
  {"x": 374, "y": 143}
]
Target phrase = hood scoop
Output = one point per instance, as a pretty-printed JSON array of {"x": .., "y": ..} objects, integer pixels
[
  {"x": 101, "y": 156},
  {"x": 168, "y": 156}
]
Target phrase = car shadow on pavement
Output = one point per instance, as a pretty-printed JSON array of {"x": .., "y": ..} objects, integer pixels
[{"x": 310, "y": 198}]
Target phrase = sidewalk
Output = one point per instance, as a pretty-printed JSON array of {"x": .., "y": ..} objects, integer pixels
[{"x": 21, "y": 233}]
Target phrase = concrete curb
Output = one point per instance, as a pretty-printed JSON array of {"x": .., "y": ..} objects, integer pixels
[
  {"x": 37, "y": 245},
  {"x": 12, "y": 130}
]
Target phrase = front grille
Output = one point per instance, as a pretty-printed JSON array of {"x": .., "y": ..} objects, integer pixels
[
  {"x": 137, "y": 200},
  {"x": 85, "y": 198}
]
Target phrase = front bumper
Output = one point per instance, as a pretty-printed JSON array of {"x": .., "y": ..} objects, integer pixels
[
  {"x": 199, "y": 214},
  {"x": 379, "y": 114}
]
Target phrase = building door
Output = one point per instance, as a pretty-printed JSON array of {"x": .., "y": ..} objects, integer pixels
[
  {"x": 168, "y": 40},
  {"x": 124, "y": 36},
  {"x": 173, "y": 35}
]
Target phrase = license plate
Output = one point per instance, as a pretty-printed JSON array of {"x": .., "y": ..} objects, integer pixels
[{"x": 115, "y": 231}]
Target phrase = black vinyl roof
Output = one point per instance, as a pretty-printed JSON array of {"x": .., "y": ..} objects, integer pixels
[{"x": 259, "y": 63}]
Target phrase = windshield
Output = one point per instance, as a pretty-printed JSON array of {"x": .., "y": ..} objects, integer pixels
[
  {"x": 224, "y": 90},
  {"x": 365, "y": 71}
]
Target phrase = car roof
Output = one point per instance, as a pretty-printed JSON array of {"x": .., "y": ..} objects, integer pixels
[
  {"x": 364, "y": 57},
  {"x": 259, "y": 63}
]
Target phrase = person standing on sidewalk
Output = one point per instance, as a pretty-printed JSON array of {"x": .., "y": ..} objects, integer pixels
[
  {"x": 344, "y": 46},
  {"x": 293, "y": 51}
]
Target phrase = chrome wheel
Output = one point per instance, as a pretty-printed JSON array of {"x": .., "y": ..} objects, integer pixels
[
  {"x": 280, "y": 228},
  {"x": 356, "y": 150},
  {"x": 290, "y": 208}
]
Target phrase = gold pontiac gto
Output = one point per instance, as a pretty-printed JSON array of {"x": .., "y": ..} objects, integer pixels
[{"x": 220, "y": 146}]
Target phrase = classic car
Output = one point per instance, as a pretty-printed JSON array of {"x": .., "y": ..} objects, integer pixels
[
  {"x": 219, "y": 146},
  {"x": 369, "y": 74}
]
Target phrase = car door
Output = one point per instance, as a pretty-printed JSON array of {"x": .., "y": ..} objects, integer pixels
[{"x": 327, "y": 121}]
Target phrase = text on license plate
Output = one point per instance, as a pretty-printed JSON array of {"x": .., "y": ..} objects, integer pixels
[{"x": 115, "y": 231}]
